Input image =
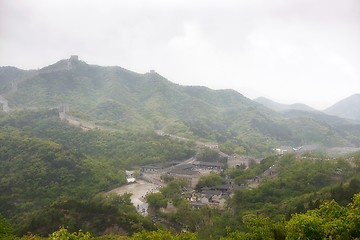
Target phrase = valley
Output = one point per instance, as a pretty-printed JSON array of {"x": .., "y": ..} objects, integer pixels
[{"x": 119, "y": 154}]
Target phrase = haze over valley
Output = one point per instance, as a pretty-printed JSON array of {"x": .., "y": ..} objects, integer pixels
[
  {"x": 71, "y": 129},
  {"x": 179, "y": 120}
]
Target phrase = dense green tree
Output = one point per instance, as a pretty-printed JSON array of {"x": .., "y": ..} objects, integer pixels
[
  {"x": 330, "y": 221},
  {"x": 210, "y": 180},
  {"x": 94, "y": 215},
  {"x": 156, "y": 200},
  {"x": 63, "y": 233},
  {"x": 232, "y": 148},
  {"x": 356, "y": 160},
  {"x": 208, "y": 155},
  {"x": 163, "y": 235},
  {"x": 173, "y": 190},
  {"x": 5, "y": 228}
]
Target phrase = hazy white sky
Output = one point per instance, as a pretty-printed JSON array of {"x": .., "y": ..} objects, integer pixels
[{"x": 288, "y": 50}]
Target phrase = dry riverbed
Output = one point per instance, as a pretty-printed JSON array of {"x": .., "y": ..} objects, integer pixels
[{"x": 139, "y": 189}]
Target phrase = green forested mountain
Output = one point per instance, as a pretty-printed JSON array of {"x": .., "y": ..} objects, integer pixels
[
  {"x": 50, "y": 172},
  {"x": 123, "y": 100},
  {"x": 53, "y": 173}
]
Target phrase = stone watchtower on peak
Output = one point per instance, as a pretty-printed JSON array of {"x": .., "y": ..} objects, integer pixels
[{"x": 74, "y": 58}]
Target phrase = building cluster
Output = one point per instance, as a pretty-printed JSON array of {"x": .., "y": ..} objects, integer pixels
[
  {"x": 213, "y": 197},
  {"x": 190, "y": 172}
]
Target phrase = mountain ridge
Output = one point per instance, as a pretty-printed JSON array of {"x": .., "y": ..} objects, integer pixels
[
  {"x": 346, "y": 108},
  {"x": 279, "y": 107},
  {"x": 122, "y": 99}
]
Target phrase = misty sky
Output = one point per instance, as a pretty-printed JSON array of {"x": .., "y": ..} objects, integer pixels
[{"x": 288, "y": 50}]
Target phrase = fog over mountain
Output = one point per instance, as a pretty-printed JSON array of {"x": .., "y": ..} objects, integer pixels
[
  {"x": 181, "y": 119},
  {"x": 117, "y": 98},
  {"x": 289, "y": 51},
  {"x": 71, "y": 131},
  {"x": 346, "y": 108},
  {"x": 283, "y": 107}
]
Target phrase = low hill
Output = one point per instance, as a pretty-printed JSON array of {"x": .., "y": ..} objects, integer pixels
[{"x": 346, "y": 108}]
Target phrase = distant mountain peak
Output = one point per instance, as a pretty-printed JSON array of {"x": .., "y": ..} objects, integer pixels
[
  {"x": 346, "y": 108},
  {"x": 283, "y": 107},
  {"x": 64, "y": 64}
]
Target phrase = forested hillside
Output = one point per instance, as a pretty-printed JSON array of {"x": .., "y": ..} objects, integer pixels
[
  {"x": 310, "y": 198},
  {"x": 44, "y": 163},
  {"x": 52, "y": 174},
  {"x": 72, "y": 129},
  {"x": 281, "y": 186},
  {"x": 119, "y": 99}
]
